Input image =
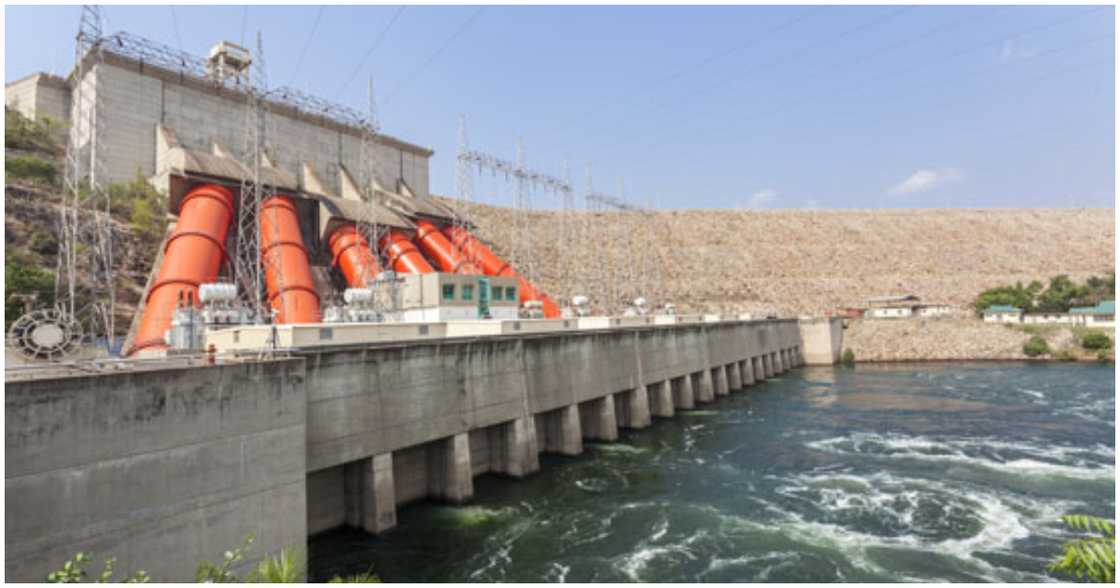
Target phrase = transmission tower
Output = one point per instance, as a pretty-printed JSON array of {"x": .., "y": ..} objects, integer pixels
[
  {"x": 525, "y": 180},
  {"x": 568, "y": 236},
  {"x": 85, "y": 224},
  {"x": 248, "y": 262},
  {"x": 371, "y": 181},
  {"x": 464, "y": 179}
]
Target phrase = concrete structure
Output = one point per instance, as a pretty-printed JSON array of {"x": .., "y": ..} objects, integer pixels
[
  {"x": 160, "y": 468},
  {"x": 934, "y": 310},
  {"x": 1047, "y": 318},
  {"x": 1001, "y": 313},
  {"x": 164, "y": 467},
  {"x": 1102, "y": 315},
  {"x": 821, "y": 341},
  {"x": 137, "y": 99},
  {"x": 894, "y": 306},
  {"x": 439, "y": 296},
  {"x": 39, "y": 96}
]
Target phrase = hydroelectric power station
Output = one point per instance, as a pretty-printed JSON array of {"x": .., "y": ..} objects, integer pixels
[{"x": 320, "y": 339}]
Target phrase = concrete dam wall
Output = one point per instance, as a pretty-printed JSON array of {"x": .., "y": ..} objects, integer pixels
[{"x": 163, "y": 467}]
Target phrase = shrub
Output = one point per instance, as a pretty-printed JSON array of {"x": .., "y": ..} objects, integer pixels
[
  {"x": 849, "y": 357},
  {"x": 21, "y": 281},
  {"x": 73, "y": 572},
  {"x": 1096, "y": 340},
  {"x": 43, "y": 242},
  {"x": 30, "y": 167},
  {"x": 1036, "y": 346},
  {"x": 1104, "y": 355},
  {"x": 21, "y": 132},
  {"x": 1065, "y": 355}
]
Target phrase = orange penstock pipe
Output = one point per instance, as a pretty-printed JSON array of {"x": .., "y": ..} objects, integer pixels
[
  {"x": 351, "y": 255},
  {"x": 287, "y": 272},
  {"x": 192, "y": 256}
]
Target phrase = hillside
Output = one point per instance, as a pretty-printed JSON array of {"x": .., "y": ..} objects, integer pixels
[{"x": 797, "y": 262}]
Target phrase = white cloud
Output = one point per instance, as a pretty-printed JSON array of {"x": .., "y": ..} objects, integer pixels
[
  {"x": 762, "y": 198},
  {"x": 812, "y": 204},
  {"x": 925, "y": 179},
  {"x": 1012, "y": 52}
]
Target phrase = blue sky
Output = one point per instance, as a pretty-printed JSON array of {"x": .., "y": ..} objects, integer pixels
[{"x": 751, "y": 106}]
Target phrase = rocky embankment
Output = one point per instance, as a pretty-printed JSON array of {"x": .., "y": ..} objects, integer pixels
[
  {"x": 953, "y": 339},
  {"x": 801, "y": 261}
]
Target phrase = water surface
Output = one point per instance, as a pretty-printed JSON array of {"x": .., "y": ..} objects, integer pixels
[{"x": 935, "y": 472}]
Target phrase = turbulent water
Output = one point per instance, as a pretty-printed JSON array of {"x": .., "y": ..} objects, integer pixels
[{"x": 932, "y": 472}]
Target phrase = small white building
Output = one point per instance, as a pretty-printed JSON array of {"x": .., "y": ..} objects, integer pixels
[
  {"x": 1002, "y": 313},
  {"x": 934, "y": 310},
  {"x": 1102, "y": 315},
  {"x": 1047, "y": 318},
  {"x": 896, "y": 306}
]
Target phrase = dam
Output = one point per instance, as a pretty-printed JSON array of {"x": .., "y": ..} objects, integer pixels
[
  {"x": 319, "y": 341},
  {"x": 180, "y": 456}
]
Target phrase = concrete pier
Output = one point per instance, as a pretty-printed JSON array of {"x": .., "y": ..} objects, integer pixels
[
  {"x": 597, "y": 417},
  {"x": 635, "y": 413},
  {"x": 662, "y": 403},
  {"x": 683, "y": 395},
  {"x": 734, "y": 378},
  {"x": 704, "y": 386},
  {"x": 720, "y": 380},
  {"x": 747, "y": 370},
  {"x": 186, "y": 461}
]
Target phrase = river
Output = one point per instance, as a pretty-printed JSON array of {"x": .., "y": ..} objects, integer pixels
[{"x": 933, "y": 472}]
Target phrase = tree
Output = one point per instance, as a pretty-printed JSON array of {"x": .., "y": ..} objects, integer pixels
[
  {"x": 1093, "y": 557},
  {"x": 1016, "y": 296}
]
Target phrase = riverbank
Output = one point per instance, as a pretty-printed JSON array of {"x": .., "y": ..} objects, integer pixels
[{"x": 957, "y": 339}]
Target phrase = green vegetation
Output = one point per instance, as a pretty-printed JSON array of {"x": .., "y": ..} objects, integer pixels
[
  {"x": 21, "y": 132},
  {"x": 32, "y": 168},
  {"x": 1091, "y": 558},
  {"x": 73, "y": 572},
  {"x": 286, "y": 568},
  {"x": 1041, "y": 330},
  {"x": 849, "y": 357},
  {"x": 1096, "y": 341},
  {"x": 1065, "y": 355},
  {"x": 25, "y": 282},
  {"x": 141, "y": 204},
  {"x": 1059, "y": 296},
  {"x": 1036, "y": 346}
]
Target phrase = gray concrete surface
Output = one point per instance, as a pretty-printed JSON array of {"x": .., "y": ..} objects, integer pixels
[{"x": 164, "y": 467}]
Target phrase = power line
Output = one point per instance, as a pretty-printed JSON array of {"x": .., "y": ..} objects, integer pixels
[
  {"x": 311, "y": 37},
  {"x": 376, "y": 44},
  {"x": 786, "y": 58},
  {"x": 684, "y": 71},
  {"x": 175, "y": 22},
  {"x": 431, "y": 58},
  {"x": 831, "y": 95},
  {"x": 908, "y": 70},
  {"x": 244, "y": 21}
]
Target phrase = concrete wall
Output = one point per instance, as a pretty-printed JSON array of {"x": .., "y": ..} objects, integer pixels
[
  {"x": 163, "y": 468},
  {"x": 38, "y": 96},
  {"x": 159, "y": 468},
  {"x": 133, "y": 102},
  {"x": 441, "y": 412},
  {"x": 821, "y": 340}
]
